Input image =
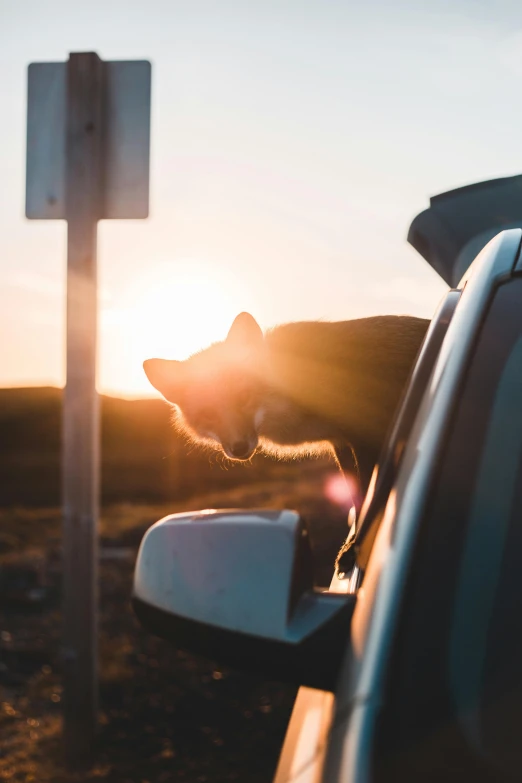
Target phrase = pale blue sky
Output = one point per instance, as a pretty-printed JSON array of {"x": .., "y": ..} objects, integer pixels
[{"x": 292, "y": 143}]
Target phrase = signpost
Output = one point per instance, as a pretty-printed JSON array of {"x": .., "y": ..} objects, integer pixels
[{"x": 88, "y": 141}]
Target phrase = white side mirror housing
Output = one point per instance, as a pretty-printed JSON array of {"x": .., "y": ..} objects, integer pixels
[{"x": 238, "y": 585}]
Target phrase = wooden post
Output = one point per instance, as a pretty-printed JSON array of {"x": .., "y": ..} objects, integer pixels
[{"x": 80, "y": 454}]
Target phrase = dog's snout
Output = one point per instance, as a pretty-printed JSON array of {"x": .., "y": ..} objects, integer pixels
[{"x": 240, "y": 449}]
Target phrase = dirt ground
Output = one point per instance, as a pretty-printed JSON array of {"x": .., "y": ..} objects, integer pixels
[{"x": 165, "y": 715}]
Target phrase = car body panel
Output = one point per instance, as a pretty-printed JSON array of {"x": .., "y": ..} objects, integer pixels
[{"x": 305, "y": 744}]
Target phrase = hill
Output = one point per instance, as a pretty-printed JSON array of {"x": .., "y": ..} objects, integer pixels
[
  {"x": 143, "y": 458},
  {"x": 164, "y": 714}
]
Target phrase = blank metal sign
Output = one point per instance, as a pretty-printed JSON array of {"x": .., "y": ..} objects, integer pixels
[{"x": 126, "y": 157}]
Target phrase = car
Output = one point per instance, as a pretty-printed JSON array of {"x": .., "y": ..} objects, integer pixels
[{"x": 410, "y": 664}]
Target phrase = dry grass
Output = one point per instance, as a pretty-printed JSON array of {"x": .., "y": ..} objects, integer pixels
[{"x": 165, "y": 715}]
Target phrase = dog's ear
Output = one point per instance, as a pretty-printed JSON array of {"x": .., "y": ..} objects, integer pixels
[
  {"x": 166, "y": 376},
  {"x": 245, "y": 333}
]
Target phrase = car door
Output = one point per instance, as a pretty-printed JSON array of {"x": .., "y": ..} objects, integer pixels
[{"x": 368, "y": 731}]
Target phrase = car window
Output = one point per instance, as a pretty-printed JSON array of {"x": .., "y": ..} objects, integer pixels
[{"x": 387, "y": 467}]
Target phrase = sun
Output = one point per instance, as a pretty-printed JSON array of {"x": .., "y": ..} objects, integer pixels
[{"x": 172, "y": 311}]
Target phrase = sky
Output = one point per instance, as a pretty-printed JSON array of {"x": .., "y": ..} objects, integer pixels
[{"x": 293, "y": 141}]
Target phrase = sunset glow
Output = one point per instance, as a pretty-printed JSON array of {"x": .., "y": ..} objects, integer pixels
[
  {"x": 292, "y": 177},
  {"x": 171, "y": 311}
]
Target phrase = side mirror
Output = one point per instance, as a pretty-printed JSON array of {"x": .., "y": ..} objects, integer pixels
[{"x": 237, "y": 586}]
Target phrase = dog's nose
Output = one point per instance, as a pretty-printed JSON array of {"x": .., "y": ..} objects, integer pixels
[{"x": 240, "y": 449}]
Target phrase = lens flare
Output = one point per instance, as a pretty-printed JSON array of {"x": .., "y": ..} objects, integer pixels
[{"x": 342, "y": 490}]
